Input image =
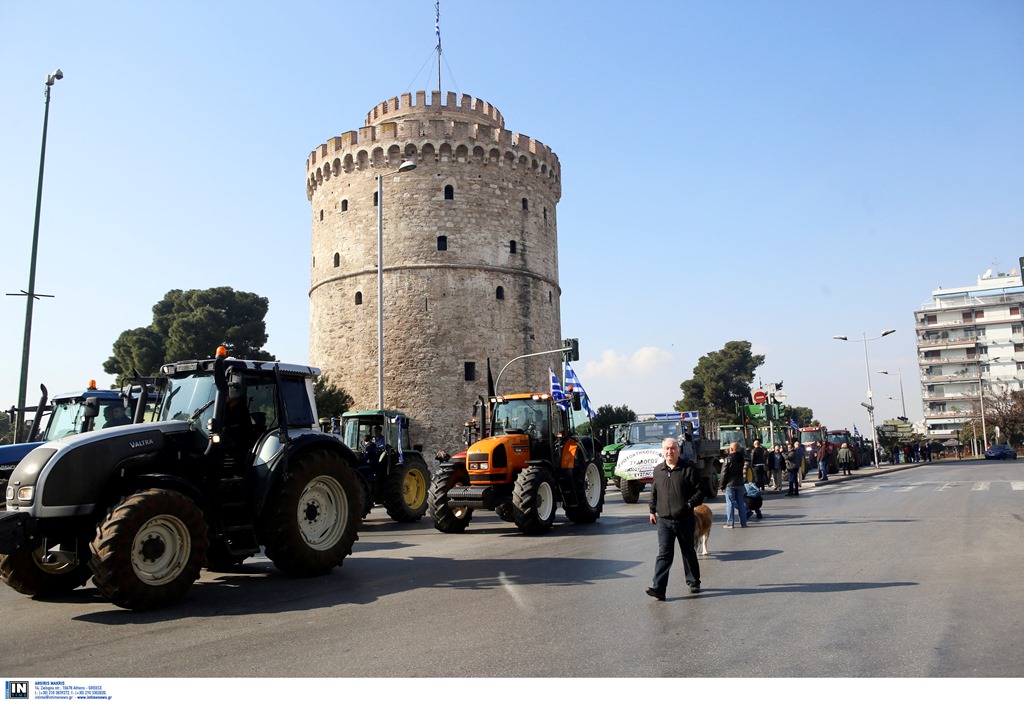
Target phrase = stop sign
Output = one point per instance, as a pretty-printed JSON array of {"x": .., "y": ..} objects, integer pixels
[{"x": 760, "y": 397}]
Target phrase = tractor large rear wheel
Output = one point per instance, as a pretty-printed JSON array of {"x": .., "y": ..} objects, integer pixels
[
  {"x": 406, "y": 495},
  {"x": 149, "y": 549},
  {"x": 447, "y": 518},
  {"x": 41, "y": 573},
  {"x": 311, "y": 520},
  {"x": 589, "y": 482},
  {"x": 533, "y": 500}
]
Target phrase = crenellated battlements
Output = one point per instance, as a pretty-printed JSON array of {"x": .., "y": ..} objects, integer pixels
[
  {"x": 467, "y": 106},
  {"x": 399, "y": 129}
]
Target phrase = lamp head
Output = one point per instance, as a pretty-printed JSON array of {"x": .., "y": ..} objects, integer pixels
[
  {"x": 840, "y": 338},
  {"x": 406, "y": 167},
  {"x": 55, "y": 76}
]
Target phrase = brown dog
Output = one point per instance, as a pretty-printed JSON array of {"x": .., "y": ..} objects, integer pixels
[{"x": 701, "y": 528}]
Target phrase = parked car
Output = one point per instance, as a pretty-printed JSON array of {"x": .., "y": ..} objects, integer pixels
[{"x": 1000, "y": 452}]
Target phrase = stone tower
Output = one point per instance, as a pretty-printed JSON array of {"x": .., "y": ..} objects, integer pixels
[{"x": 470, "y": 260}]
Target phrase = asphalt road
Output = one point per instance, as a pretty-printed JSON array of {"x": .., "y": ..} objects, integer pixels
[{"x": 911, "y": 573}]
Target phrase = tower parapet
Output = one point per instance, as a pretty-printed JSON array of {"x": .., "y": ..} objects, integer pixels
[{"x": 399, "y": 129}]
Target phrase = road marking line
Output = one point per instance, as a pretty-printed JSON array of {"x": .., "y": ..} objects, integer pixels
[
  {"x": 981, "y": 486},
  {"x": 906, "y": 489},
  {"x": 511, "y": 589},
  {"x": 1016, "y": 486},
  {"x": 945, "y": 487}
]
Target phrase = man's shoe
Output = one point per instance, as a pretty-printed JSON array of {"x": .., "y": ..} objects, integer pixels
[
  {"x": 651, "y": 591},
  {"x": 743, "y": 525},
  {"x": 728, "y": 525},
  {"x": 695, "y": 589}
]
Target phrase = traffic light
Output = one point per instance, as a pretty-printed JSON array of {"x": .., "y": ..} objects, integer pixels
[{"x": 571, "y": 349}]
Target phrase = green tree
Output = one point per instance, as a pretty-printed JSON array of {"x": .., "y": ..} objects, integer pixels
[
  {"x": 609, "y": 415},
  {"x": 1004, "y": 408},
  {"x": 721, "y": 379},
  {"x": 191, "y": 324},
  {"x": 802, "y": 415},
  {"x": 331, "y": 400}
]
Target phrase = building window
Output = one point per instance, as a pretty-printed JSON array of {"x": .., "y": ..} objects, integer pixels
[
  {"x": 359, "y": 298},
  {"x": 449, "y": 192},
  {"x": 337, "y": 259},
  {"x": 526, "y": 205},
  {"x": 512, "y": 246},
  {"x": 1014, "y": 311},
  {"x": 499, "y": 293},
  {"x": 469, "y": 371},
  {"x": 931, "y": 319},
  {"x": 1018, "y": 347},
  {"x": 550, "y": 298},
  {"x": 344, "y": 205},
  {"x": 375, "y": 199},
  {"x": 545, "y": 214},
  {"x": 980, "y": 314},
  {"x": 442, "y": 243},
  {"x": 321, "y": 215}
]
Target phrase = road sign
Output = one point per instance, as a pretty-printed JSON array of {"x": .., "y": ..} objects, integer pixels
[
  {"x": 780, "y": 396},
  {"x": 760, "y": 397}
]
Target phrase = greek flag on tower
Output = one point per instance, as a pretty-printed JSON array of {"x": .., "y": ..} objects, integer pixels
[
  {"x": 856, "y": 433},
  {"x": 556, "y": 388},
  {"x": 573, "y": 384},
  {"x": 793, "y": 424}
]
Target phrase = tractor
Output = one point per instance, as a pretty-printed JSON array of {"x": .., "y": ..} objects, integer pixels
[
  {"x": 531, "y": 461},
  {"x": 392, "y": 472},
  {"x": 235, "y": 463}
]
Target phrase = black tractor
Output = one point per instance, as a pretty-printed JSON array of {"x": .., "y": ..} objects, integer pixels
[{"x": 236, "y": 462}]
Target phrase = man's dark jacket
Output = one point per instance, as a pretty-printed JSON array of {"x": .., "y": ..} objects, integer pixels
[
  {"x": 734, "y": 470},
  {"x": 674, "y": 493}
]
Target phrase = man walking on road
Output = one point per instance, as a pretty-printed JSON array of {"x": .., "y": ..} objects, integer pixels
[{"x": 674, "y": 494}]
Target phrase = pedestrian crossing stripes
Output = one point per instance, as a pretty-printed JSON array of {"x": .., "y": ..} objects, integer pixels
[{"x": 976, "y": 486}]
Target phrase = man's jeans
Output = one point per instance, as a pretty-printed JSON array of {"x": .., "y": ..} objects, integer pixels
[
  {"x": 670, "y": 532},
  {"x": 734, "y": 500}
]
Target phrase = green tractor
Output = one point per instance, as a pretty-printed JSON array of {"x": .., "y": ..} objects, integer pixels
[
  {"x": 617, "y": 433},
  {"x": 392, "y": 471}
]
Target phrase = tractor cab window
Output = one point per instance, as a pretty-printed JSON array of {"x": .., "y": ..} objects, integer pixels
[{"x": 521, "y": 416}]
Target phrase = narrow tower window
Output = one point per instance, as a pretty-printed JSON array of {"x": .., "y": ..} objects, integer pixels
[
  {"x": 499, "y": 293},
  {"x": 359, "y": 298},
  {"x": 337, "y": 259},
  {"x": 449, "y": 192},
  {"x": 344, "y": 205},
  {"x": 469, "y": 371},
  {"x": 321, "y": 215},
  {"x": 442, "y": 243},
  {"x": 526, "y": 205},
  {"x": 512, "y": 246},
  {"x": 375, "y": 199}
]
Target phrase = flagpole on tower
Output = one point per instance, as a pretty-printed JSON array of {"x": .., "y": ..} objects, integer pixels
[{"x": 437, "y": 30}]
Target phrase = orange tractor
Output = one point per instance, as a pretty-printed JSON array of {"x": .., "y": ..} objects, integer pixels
[{"x": 531, "y": 461}]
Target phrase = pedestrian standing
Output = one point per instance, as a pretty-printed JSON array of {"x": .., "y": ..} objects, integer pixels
[
  {"x": 793, "y": 469},
  {"x": 823, "y": 461},
  {"x": 801, "y": 458},
  {"x": 732, "y": 484},
  {"x": 675, "y": 492},
  {"x": 845, "y": 459},
  {"x": 759, "y": 459},
  {"x": 777, "y": 463}
]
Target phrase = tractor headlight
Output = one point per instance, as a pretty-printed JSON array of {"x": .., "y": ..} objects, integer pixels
[{"x": 24, "y": 493}]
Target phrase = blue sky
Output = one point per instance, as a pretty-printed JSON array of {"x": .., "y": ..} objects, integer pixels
[{"x": 777, "y": 172}]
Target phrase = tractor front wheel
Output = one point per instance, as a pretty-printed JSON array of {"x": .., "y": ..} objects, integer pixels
[
  {"x": 447, "y": 518},
  {"x": 630, "y": 490},
  {"x": 42, "y": 573},
  {"x": 149, "y": 550},
  {"x": 533, "y": 501}
]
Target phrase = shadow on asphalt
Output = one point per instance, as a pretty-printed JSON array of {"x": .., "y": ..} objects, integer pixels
[{"x": 797, "y": 588}]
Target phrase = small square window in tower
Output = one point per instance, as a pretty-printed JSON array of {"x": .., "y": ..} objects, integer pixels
[
  {"x": 442, "y": 243},
  {"x": 449, "y": 192},
  {"x": 526, "y": 205},
  {"x": 512, "y": 246},
  {"x": 469, "y": 371},
  {"x": 499, "y": 293},
  {"x": 359, "y": 298}
]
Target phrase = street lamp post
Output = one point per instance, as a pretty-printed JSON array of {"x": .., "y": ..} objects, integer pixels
[
  {"x": 869, "y": 405},
  {"x": 30, "y": 294},
  {"x": 405, "y": 167},
  {"x": 903, "y": 401}
]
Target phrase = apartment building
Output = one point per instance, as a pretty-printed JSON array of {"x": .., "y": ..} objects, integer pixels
[{"x": 969, "y": 338}]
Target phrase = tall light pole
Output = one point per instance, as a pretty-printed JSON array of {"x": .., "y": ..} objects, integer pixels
[
  {"x": 902, "y": 400},
  {"x": 30, "y": 294},
  {"x": 869, "y": 405},
  {"x": 405, "y": 167}
]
